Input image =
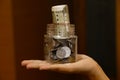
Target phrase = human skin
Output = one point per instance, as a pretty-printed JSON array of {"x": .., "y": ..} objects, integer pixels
[{"x": 84, "y": 65}]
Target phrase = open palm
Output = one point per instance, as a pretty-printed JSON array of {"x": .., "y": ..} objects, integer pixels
[{"x": 82, "y": 65}]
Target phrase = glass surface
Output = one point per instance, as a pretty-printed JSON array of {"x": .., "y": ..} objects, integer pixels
[{"x": 60, "y": 43}]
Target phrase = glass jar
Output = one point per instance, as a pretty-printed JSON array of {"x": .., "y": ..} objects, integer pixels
[{"x": 60, "y": 43}]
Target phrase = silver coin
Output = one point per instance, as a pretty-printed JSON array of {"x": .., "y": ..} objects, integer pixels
[{"x": 63, "y": 52}]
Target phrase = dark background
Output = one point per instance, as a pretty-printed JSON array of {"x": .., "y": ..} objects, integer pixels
[{"x": 101, "y": 33}]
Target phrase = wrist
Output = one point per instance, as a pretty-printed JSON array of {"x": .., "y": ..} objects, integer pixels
[{"x": 97, "y": 74}]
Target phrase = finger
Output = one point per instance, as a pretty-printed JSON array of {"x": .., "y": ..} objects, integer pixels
[
  {"x": 36, "y": 64},
  {"x": 32, "y": 65},
  {"x": 25, "y": 62}
]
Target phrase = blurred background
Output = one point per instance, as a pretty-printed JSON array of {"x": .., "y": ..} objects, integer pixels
[{"x": 23, "y": 25}]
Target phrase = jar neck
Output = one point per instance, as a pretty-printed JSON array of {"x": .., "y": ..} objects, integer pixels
[{"x": 61, "y": 30}]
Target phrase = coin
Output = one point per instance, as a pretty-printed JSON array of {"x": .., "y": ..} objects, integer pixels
[{"x": 63, "y": 52}]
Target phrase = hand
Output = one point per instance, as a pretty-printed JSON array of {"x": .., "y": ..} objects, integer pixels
[{"x": 84, "y": 65}]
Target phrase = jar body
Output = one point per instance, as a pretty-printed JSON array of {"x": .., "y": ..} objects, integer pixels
[{"x": 60, "y": 49}]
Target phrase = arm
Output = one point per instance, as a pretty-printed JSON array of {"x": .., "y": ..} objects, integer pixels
[{"x": 98, "y": 74}]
